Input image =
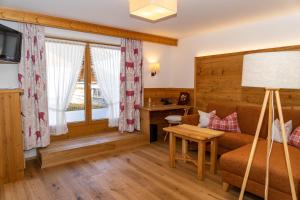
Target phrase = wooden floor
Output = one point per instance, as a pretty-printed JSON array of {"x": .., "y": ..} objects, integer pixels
[{"x": 141, "y": 174}]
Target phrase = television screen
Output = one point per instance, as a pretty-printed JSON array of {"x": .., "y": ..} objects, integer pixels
[{"x": 10, "y": 44}]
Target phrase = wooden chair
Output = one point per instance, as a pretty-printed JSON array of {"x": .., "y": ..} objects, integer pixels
[{"x": 175, "y": 120}]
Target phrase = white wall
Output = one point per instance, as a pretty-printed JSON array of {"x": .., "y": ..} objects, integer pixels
[
  {"x": 275, "y": 32},
  {"x": 157, "y": 53},
  {"x": 152, "y": 53}
]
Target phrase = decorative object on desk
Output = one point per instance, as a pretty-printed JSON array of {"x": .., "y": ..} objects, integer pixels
[
  {"x": 272, "y": 70},
  {"x": 149, "y": 102},
  {"x": 166, "y": 101},
  {"x": 154, "y": 68},
  {"x": 184, "y": 98},
  {"x": 153, "y": 10}
]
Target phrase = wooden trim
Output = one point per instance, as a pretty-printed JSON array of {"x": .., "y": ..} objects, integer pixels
[
  {"x": 11, "y": 91},
  {"x": 75, "y": 25},
  {"x": 87, "y": 85},
  {"x": 285, "y": 48},
  {"x": 195, "y": 84}
]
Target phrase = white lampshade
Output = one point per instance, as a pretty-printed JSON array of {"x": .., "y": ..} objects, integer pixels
[{"x": 273, "y": 70}]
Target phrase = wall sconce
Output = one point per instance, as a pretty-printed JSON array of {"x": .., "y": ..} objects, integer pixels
[{"x": 154, "y": 68}]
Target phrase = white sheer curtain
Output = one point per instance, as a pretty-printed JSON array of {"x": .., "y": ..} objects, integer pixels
[
  {"x": 64, "y": 62},
  {"x": 106, "y": 64}
]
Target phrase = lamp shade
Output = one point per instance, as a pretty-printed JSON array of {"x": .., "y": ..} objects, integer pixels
[
  {"x": 273, "y": 70},
  {"x": 154, "y": 67},
  {"x": 153, "y": 9}
]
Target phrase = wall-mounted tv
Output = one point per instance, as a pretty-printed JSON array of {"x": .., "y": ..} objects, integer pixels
[{"x": 10, "y": 45}]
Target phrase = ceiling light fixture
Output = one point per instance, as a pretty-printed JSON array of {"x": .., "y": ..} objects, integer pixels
[{"x": 153, "y": 10}]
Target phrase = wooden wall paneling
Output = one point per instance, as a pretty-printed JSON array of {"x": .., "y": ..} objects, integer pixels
[
  {"x": 57, "y": 22},
  {"x": 218, "y": 79},
  {"x": 11, "y": 140}
]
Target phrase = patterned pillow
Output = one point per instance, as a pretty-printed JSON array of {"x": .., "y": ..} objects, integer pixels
[
  {"x": 294, "y": 138},
  {"x": 229, "y": 123}
]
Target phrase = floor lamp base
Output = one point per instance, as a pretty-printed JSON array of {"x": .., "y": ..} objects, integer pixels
[{"x": 269, "y": 94}]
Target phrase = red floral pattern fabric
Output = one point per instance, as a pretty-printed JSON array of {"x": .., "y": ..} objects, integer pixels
[
  {"x": 229, "y": 123},
  {"x": 294, "y": 138},
  {"x": 32, "y": 79},
  {"x": 131, "y": 86}
]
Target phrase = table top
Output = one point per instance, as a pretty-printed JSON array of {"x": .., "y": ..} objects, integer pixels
[
  {"x": 165, "y": 107},
  {"x": 194, "y": 132}
]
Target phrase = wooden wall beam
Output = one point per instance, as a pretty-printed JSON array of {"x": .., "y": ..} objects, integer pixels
[{"x": 75, "y": 25}]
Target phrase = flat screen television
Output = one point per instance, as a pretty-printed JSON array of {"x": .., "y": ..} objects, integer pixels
[{"x": 10, "y": 45}]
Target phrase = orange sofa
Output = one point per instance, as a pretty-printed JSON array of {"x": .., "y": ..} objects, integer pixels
[{"x": 234, "y": 149}]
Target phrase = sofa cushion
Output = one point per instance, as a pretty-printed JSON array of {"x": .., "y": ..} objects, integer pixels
[
  {"x": 232, "y": 141},
  {"x": 248, "y": 119},
  {"x": 222, "y": 109},
  {"x": 229, "y": 123},
  {"x": 292, "y": 114},
  {"x": 277, "y": 135},
  {"x": 236, "y": 161},
  {"x": 204, "y": 118},
  {"x": 294, "y": 138}
]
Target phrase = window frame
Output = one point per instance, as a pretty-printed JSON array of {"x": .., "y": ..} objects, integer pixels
[{"x": 88, "y": 126}]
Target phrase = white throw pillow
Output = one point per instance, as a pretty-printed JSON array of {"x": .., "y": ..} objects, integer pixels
[
  {"x": 174, "y": 118},
  {"x": 277, "y": 131},
  {"x": 204, "y": 118}
]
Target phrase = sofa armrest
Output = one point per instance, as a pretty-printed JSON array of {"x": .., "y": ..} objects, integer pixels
[{"x": 191, "y": 119}]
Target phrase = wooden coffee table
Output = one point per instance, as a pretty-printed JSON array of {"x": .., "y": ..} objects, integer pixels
[{"x": 201, "y": 136}]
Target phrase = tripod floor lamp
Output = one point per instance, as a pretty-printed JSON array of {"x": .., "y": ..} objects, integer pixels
[{"x": 272, "y": 71}]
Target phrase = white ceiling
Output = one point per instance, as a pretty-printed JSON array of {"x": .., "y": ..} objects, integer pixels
[{"x": 194, "y": 16}]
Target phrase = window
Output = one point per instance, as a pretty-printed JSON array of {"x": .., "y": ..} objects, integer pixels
[
  {"x": 85, "y": 77},
  {"x": 76, "y": 108},
  {"x": 99, "y": 104}
]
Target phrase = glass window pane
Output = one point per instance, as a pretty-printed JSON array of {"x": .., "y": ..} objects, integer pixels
[
  {"x": 76, "y": 108},
  {"x": 99, "y": 105}
]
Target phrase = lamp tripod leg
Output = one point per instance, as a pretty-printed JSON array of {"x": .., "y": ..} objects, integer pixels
[
  {"x": 252, "y": 152},
  {"x": 285, "y": 146},
  {"x": 269, "y": 138}
]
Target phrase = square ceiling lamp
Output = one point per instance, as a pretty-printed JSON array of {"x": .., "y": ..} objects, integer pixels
[{"x": 153, "y": 10}]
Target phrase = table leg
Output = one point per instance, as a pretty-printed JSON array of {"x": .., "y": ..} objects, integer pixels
[
  {"x": 145, "y": 123},
  {"x": 172, "y": 149},
  {"x": 201, "y": 159},
  {"x": 213, "y": 156},
  {"x": 184, "y": 148}
]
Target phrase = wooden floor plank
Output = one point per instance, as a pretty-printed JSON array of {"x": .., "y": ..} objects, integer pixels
[{"x": 139, "y": 174}]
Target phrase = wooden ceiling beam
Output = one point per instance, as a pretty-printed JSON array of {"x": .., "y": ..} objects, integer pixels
[{"x": 75, "y": 25}]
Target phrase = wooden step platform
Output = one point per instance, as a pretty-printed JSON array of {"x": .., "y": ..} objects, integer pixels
[{"x": 66, "y": 151}]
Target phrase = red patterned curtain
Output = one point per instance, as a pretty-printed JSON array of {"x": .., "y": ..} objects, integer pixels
[
  {"x": 131, "y": 86},
  {"x": 32, "y": 79}
]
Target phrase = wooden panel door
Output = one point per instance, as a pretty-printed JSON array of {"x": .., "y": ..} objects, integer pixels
[{"x": 11, "y": 140}]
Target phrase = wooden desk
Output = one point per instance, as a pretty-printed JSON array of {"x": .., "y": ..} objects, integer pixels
[
  {"x": 196, "y": 134},
  {"x": 146, "y": 117}
]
